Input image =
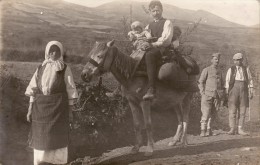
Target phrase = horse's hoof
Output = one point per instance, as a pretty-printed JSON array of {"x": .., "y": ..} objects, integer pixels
[
  {"x": 134, "y": 150},
  {"x": 184, "y": 145},
  {"x": 148, "y": 153},
  {"x": 172, "y": 143}
]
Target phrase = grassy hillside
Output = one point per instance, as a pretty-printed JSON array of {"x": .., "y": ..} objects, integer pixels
[{"x": 28, "y": 25}]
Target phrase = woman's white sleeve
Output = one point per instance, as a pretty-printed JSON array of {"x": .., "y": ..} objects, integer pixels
[
  {"x": 70, "y": 86},
  {"x": 32, "y": 87}
]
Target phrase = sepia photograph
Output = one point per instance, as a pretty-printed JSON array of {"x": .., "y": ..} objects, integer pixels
[{"x": 129, "y": 82}]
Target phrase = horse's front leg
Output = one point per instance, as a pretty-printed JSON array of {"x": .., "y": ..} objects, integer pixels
[
  {"x": 136, "y": 112},
  {"x": 177, "y": 136},
  {"x": 146, "y": 108},
  {"x": 185, "y": 113}
]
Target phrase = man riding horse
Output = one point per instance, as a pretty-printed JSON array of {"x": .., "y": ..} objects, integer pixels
[
  {"x": 105, "y": 57},
  {"x": 162, "y": 29}
]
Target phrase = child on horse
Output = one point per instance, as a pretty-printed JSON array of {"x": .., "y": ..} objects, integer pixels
[{"x": 138, "y": 36}]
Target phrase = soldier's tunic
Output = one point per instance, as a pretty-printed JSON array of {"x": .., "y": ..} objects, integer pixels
[{"x": 211, "y": 88}]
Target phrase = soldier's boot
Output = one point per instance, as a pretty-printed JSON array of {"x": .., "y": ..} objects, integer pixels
[
  {"x": 209, "y": 131},
  {"x": 242, "y": 132},
  {"x": 203, "y": 133}
]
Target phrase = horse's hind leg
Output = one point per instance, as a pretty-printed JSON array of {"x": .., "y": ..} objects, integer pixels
[
  {"x": 136, "y": 112},
  {"x": 178, "y": 134},
  {"x": 185, "y": 114},
  {"x": 146, "y": 107}
]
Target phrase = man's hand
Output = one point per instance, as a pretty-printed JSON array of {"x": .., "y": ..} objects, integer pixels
[
  {"x": 176, "y": 44},
  {"x": 250, "y": 93},
  {"x": 29, "y": 113},
  {"x": 146, "y": 46}
]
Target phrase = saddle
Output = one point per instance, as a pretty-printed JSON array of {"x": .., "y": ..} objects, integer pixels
[{"x": 170, "y": 72}]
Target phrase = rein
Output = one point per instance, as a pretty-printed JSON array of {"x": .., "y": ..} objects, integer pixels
[{"x": 105, "y": 64}]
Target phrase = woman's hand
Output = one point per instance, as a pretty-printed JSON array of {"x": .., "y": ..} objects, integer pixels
[{"x": 29, "y": 113}]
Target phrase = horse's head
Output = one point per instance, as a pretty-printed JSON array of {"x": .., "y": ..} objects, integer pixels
[{"x": 100, "y": 60}]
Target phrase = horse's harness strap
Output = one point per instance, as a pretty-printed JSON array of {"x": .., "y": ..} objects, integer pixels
[
  {"x": 104, "y": 65},
  {"x": 93, "y": 62}
]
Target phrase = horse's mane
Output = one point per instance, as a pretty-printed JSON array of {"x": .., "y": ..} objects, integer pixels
[
  {"x": 99, "y": 47},
  {"x": 124, "y": 63}
]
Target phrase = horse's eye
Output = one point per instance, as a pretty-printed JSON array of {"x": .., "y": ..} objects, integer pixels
[{"x": 99, "y": 56}]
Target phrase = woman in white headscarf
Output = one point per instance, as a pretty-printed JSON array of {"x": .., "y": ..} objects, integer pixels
[{"x": 52, "y": 93}]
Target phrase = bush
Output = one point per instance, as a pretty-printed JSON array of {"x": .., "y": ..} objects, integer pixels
[{"x": 99, "y": 122}]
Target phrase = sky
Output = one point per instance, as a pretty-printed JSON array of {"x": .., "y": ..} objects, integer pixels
[{"x": 244, "y": 12}]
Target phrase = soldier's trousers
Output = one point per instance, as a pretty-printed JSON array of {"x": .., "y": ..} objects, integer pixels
[
  {"x": 237, "y": 102},
  {"x": 208, "y": 106}
]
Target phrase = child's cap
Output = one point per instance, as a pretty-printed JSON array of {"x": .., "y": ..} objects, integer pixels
[{"x": 136, "y": 24}]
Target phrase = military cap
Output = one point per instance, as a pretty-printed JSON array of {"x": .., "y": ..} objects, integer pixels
[
  {"x": 238, "y": 56},
  {"x": 216, "y": 55}
]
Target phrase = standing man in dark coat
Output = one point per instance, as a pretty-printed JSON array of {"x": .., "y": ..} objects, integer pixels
[
  {"x": 162, "y": 30},
  {"x": 239, "y": 86}
]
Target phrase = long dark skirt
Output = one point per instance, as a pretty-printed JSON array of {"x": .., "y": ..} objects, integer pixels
[{"x": 50, "y": 122}]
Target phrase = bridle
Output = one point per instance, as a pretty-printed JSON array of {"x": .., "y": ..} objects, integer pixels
[{"x": 106, "y": 63}]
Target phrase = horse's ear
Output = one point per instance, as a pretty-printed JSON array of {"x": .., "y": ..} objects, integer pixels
[{"x": 110, "y": 43}]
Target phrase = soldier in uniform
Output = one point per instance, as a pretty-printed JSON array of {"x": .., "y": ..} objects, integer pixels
[
  {"x": 211, "y": 87},
  {"x": 239, "y": 86}
]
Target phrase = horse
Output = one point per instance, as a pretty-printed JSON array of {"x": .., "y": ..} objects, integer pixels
[{"x": 104, "y": 57}]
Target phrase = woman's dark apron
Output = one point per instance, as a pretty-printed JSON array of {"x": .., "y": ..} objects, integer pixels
[{"x": 50, "y": 115}]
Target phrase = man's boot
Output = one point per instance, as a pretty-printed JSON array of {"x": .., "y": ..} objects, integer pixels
[
  {"x": 232, "y": 131},
  {"x": 203, "y": 128},
  {"x": 150, "y": 94},
  {"x": 232, "y": 125},
  {"x": 242, "y": 132}
]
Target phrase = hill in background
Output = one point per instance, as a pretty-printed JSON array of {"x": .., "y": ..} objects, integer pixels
[
  {"x": 169, "y": 11},
  {"x": 28, "y": 25}
]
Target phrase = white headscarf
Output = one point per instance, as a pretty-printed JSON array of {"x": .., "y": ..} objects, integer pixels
[
  {"x": 58, "y": 64},
  {"x": 51, "y": 68}
]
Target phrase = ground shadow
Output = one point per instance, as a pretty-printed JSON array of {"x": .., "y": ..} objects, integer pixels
[{"x": 217, "y": 146}]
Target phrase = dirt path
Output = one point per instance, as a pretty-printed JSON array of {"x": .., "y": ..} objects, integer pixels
[{"x": 216, "y": 150}]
